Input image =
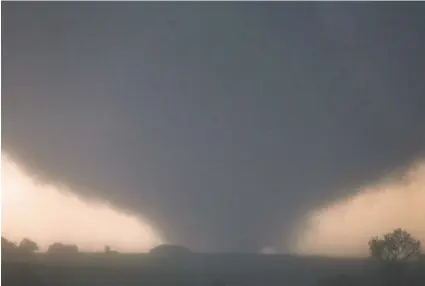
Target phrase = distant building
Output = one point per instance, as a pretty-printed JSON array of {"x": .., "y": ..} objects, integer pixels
[
  {"x": 62, "y": 248},
  {"x": 169, "y": 250},
  {"x": 108, "y": 250}
]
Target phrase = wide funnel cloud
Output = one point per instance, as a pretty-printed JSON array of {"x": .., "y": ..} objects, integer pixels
[{"x": 220, "y": 124}]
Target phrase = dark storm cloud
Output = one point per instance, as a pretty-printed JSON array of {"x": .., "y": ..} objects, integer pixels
[{"x": 219, "y": 122}]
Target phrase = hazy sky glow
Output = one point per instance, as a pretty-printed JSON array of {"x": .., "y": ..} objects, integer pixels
[
  {"x": 47, "y": 213},
  {"x": 343, "y": 228}
]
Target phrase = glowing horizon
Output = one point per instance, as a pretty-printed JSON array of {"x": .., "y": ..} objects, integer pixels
[
  {"x": 48, "y": 213},
  {"x": 344, "y": 228}
]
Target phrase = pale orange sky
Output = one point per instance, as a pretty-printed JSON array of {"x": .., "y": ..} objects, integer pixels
[
  {"x": 48, "y": 213},
  {"x": 343, "y": 228}
]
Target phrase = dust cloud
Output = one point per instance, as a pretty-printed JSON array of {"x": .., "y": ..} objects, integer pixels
[
  {"x": 48, "y": 213},
  {"x": 344, "y": 227}
]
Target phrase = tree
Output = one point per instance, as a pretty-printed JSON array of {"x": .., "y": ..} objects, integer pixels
[
  {"x": 396, "y": 246},
  {"x": 27, "y": 245},
  {"x": 7, "y": 245},
  {"x": 9, "y": 249}
]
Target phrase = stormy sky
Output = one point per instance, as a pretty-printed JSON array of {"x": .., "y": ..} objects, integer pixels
[{"x": 219, "y": 123}]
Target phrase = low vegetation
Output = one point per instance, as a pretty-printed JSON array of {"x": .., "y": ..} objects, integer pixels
[{"x": 395, "y": 260}]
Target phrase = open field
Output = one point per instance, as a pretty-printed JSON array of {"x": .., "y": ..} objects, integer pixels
[{"x": 196, "y": 269}]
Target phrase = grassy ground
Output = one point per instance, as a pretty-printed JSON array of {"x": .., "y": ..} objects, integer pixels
[{"x": 201, "y": 270}]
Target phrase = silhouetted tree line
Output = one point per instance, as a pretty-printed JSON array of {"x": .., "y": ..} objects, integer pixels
[
  {"x": 10, "y": 250},
  {"x": 27, "y": 246},
  {"x": 397, "y": 253},
  {"x": 19, "y": 266}
]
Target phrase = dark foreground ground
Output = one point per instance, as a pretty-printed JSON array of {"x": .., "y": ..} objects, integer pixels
[{"x": 196, "y": 269}]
